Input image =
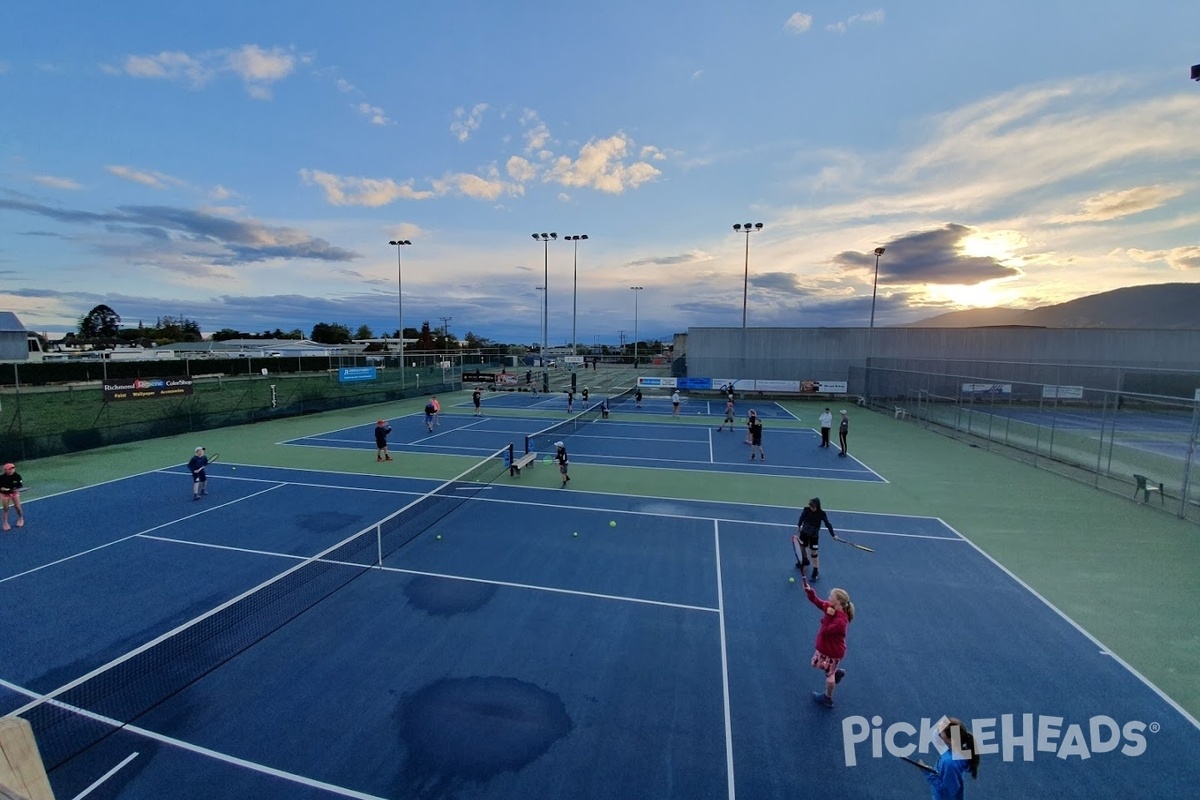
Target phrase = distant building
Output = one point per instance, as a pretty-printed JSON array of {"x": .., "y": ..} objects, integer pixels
[{"x": 15, "y": 341}]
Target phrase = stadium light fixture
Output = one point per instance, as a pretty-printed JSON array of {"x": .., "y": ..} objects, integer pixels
[
  {"x": 575, "y": 292},
  {"x": 545, "y": 239},
  {"x": 746, "y": 228},
  {"x": 399, "y": 244}
]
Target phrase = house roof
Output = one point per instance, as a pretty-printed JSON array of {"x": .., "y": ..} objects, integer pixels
[{"x": 9, "y": 323}]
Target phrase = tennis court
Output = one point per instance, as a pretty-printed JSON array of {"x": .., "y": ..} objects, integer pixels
[
  {"x": 626, "y": 438},
  {"x": 322, "y": 627}
]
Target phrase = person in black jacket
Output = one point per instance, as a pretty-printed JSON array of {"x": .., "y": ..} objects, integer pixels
[
  {"x": 382, "y": 429},
  {"x": 809, "y": 530},
  {"x": 10, "y": 494}
]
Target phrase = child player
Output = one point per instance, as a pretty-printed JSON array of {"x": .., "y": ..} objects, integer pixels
[
  {"x": 728, "y": 417},
  {"x": 837, "y": 614},
  {"x": 809, "y": 530},
  {"x": 560, "y": 455}
]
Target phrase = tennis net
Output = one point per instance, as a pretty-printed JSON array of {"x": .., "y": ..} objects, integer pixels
[
  {"x": 83, "y": 712},
  {"x": 543, "y": 440}
]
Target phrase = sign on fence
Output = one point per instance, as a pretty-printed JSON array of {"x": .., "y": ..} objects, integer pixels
[
  {"x": 1063, "y": 392},
  {"x": 356, "y": 374},
  {"x": 824, "y": 387},
  {"x": 987, "y": 389},
  {"x": 146, "y": 388}
]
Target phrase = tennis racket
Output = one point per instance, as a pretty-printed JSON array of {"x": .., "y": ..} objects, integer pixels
[
  {"x": 213, "y": 458},
  {"x": 862, "y": 547},
  {"x": 799, "y": 551},
  {"x": 918, "y": 764}
]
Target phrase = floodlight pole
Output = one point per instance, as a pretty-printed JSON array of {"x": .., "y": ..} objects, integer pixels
[
  {"x": 398, "y": 244},
  {"x": 545, "y": 239},
  {"x": 874, "y": 289},
  {"x": 746, "y": 228},
  {"x": 575, "y": 292},
  {"x": 636, "y": 291}
]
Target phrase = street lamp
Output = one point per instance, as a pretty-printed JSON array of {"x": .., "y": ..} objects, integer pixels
[
  {"x": 746, "y": 228},
  {"x": 545, "y": 239},
  {"x": 399, "y": 243},
  {"x": 575, "y": 289},
  {"x": 636, "y": 289}
]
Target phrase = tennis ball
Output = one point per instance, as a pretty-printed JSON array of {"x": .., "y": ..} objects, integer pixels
[
  {"x": 234, "y": 469},
  {"x": 576, "y": 533},
  {"x": 791, "y": 580},
  {"x": 439, "y": 536},
  {"x": 612, "y": 524}
]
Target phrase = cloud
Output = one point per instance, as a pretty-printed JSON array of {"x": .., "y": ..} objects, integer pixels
[
  {"x": 696, "y": 75},
  {"x": 157, "y": 180},
  {"x": 520, "y": 169},
  {"x": 474, "y": 186},
  {"x": 257, "y": 67},
  {"x": 466, "y": 123},
  {"x": 601, "y": 166},
  {"x": 55, "y": 182},
  {"x": 219, "y": 193},
  {"x": 211, "y": 238},
  {"x": 1116, "y": 204},
  {"x": 931, "y": 257},
  {"x": 874, "y": 17},
  {"x": 690, "y": 257},
  {"x": 374, "y": 113},
  {"x": 351, "y": 191},
  {"x": 798, "y": 23},
  {"x": 1177, "y": 258}
]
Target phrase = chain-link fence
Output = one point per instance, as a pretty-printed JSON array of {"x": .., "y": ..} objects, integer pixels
[
  {"x": 1140, "y": 445},
  {"x": 44, "y": 419}
]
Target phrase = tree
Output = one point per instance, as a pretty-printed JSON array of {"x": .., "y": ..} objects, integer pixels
[
  {"x": 330, "y": 333},
  {"x": 425, "y": 337},
  {"x": 100, "y": 322},
  {"x": 226, "y": 334},
  {"x": 364, "y": 332}
]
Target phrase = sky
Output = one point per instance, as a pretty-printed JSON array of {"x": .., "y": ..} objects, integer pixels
[{"x": 245, "y": 165}]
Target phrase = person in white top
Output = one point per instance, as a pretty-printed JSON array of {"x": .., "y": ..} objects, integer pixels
[
  {"x": 675, "y": 403},
  {"x": 826, "y": 426}
]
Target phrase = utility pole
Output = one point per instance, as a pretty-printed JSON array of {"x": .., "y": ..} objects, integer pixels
[{"x": 446, "y": 331}]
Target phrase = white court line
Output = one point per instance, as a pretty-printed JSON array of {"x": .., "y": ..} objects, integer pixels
[
  {"x": 724, "y": 662},
  {"x": 139, "y": 533},
  {"x": 100, "y": 781},
  {"x": 464, "y": 578},
  {"x": 1146, "y": 681},
  {"x": 91, "y": 485},
  {"x": 192, "y": 748}
]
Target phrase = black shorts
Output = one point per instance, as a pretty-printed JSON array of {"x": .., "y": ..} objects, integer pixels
[{"x": 809, "y": 538}]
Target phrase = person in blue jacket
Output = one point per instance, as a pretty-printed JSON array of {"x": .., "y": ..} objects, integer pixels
[{"x": 946, "y": 781}]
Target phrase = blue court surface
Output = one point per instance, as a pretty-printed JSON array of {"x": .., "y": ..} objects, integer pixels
[
  {"x": 656, "y": 404},
  {"x": 624, "y": 439},
  {"x": 165, "y": 648}
]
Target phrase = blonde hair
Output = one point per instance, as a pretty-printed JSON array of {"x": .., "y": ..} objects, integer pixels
[{"x": 843, "y": 598}]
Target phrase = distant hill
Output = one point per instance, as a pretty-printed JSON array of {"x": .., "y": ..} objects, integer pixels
[{"x": 1164, "y": 306}]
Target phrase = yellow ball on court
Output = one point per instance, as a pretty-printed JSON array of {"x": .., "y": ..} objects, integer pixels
[
  {"x": 439, "y": 536},
  {"x": 612, "y": 524},
  {"x": 576, "y": 533},
  {"x": 791, "y": 580}
]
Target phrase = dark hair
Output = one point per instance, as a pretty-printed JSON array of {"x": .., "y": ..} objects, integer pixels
[
  {"x": 816, "y": 501},
  {"x": 966, "y": 741}
]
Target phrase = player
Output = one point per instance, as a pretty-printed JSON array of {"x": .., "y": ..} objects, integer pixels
[
  {"x": 808, "y": 528},
  {"x": 637, "y": 396},
  {"x": 843, "y": 432},
  {"x": 10, "y": 494},
  {"x": 382, "y": 429},
  {"x": 477, "y": 398},
  {"x": 831, "y": 639},
  {"x": 604, "y": 408},
  {"x": 756, "y": 440},
  {"x": 199, "y": 477},
  {"x": 826, "y": 425},
  {"x": 584, "y": 395},
  {"x": 560, "y": 455},
  {"x": 570, "y": 401},
  {"x": 437, "y": 410},
  {"x": 430, "y": 412},
  {"x": 675, "y": 403},
  {"x": 751, "y": 418},
  {"x": 728, "y": 417},
  {"x": 946, "y": 781}
]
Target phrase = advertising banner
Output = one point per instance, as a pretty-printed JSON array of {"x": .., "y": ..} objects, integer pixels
[{"x": 146, "y": 388}]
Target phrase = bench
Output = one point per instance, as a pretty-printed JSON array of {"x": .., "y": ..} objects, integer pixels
[
  {"x": 1146, "y": 486},
  {"x": 900, "y": 412},
  {"x": 519, "y": 463}
]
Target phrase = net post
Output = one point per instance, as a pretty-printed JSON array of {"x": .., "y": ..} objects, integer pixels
[{"x": 379, "y": 544}]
